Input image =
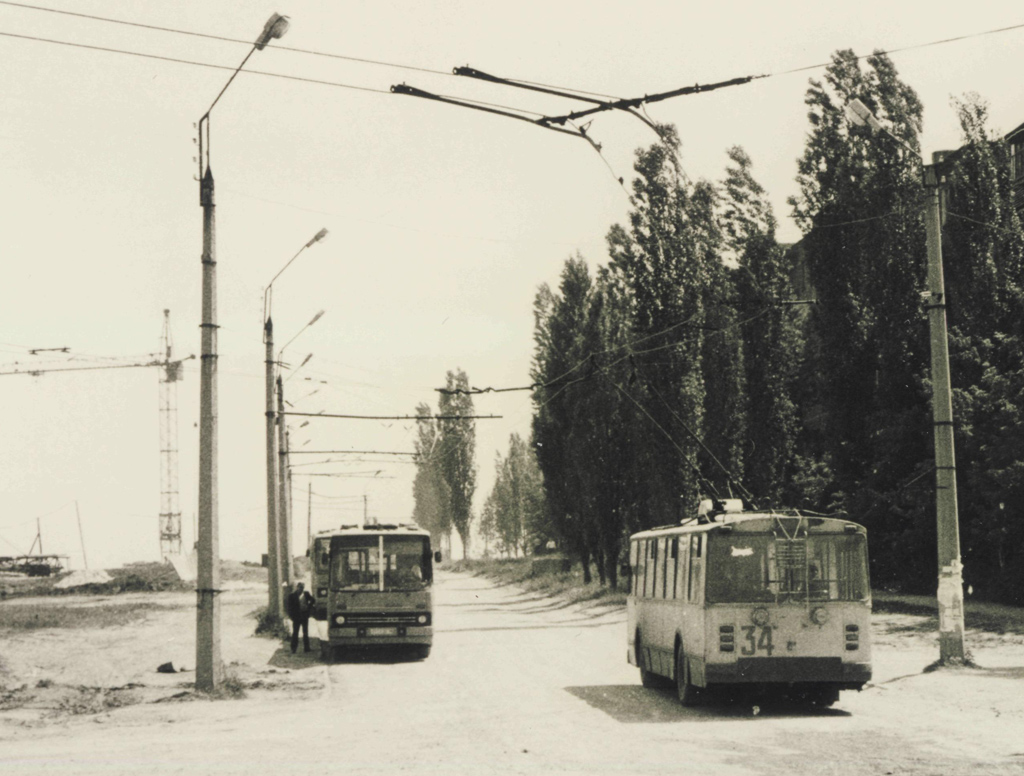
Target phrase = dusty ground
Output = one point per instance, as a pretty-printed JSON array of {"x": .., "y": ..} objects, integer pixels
[{"x": 517, "y": 683}]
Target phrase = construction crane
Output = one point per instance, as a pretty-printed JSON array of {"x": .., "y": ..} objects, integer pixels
[{"x": 169, "y": 518}]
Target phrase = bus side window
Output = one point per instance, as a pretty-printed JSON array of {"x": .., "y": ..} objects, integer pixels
[{"x": 696, "y": 567}]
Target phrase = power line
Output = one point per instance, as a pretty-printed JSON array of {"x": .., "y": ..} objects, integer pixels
[
  {"x": 392, "y": 417},
  {"x": 351, "y": 452},
  {"x": 222, "y": 38},
  {"x": 910, "y": 48},
  {"x": 178, "y": 61}
]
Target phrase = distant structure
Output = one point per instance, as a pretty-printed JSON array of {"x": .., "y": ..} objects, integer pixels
[{"x": 170, "y": 509}]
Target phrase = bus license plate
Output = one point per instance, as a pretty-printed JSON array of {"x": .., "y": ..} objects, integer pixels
[{"x": 382, "y": 631}]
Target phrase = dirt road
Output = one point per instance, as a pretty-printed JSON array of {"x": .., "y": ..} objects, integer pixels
[{"x": 515, "y": 684}]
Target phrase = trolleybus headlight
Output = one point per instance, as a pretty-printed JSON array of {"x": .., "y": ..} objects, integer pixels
[
  {"x": 422, "y": 619},
  {"x": 819, "y": 616},
  {"x": 760, "y": 616},
  {"x": 322, "y": 592},
  {"x": 339, "y": 619}
]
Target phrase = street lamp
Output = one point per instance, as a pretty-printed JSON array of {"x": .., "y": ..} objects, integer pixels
[
  {"x": 950, "y": 593},
  {"x": 209, "y": 669},
  {"x": 275, "y": 569}
]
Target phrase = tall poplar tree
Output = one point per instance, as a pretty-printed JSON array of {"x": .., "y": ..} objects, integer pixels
[{"x": 456, "y": 450}]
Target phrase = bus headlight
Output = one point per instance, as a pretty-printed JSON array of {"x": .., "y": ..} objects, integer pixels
[
  {"x": 819, "y": 615},
  {"x": 321, "y": 593},
  {"x": 422, "y": 619},
  {"x": 339, "y": 619},
  {"x": 760, "y": 617}
]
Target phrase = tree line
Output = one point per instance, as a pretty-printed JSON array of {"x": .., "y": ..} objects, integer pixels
[{"x": 685, "y": 367}]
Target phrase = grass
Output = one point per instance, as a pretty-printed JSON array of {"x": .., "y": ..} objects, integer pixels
[
  {"x": 565, "y": 585},
  {"x": 58, "y": 616}
]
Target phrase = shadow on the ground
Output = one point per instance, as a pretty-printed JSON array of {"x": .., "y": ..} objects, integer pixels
[
  {"x": 284, "y": 658},
  {"x": 384, "y": 653},
  {"x": 636, "y": 704}
]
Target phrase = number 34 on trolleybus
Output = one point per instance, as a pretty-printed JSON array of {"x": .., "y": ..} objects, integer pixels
[
  {"x": 372, "y": 586},
  {"x": 757, "y": 600}
]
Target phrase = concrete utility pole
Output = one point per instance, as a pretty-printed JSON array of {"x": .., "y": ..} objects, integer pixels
[
  {"x": 284, "y": 514},
  {"x": 950, "y": 593},
  {"x": 279, "y": 557},
  {"x": 209, "y": 668},
  {"x": 274, "y": 603},
  {"x": 951, "y": 584}
]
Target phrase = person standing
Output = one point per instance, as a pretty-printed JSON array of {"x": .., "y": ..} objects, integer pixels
[{"x": 299, "y": 605}]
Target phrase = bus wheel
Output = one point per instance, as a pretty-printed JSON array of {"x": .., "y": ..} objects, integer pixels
[
  {"x": 423, "y": 651},
  {"x": 689, "y": 693}
]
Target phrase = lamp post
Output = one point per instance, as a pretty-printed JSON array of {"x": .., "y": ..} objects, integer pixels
[
  {"x": 950, "y": 592},
  {"x": 209, "y": 669},
  {"x": 275, "y": 602},
  {"x": 284, "y": 474}
]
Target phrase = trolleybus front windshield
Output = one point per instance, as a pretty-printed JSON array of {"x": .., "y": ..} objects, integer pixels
[
  {"x": 357, "y": 564},
  {"x": 749, "y": 568}
]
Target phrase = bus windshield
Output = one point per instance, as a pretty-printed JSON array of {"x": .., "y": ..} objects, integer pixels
[
  {"x": 356, "y": 563},
  {"x": 752, "y": 568}
]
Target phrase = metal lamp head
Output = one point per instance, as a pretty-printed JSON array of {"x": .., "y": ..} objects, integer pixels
[
  {"x": 861, "y": 115},
  {"x": 317, "y": 237},
  {"x": 274, "y": 29}
]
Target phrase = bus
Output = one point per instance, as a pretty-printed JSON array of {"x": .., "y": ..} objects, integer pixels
[
  {"x": 761, "y": 602},
  {"x": 372, "y": 586}
]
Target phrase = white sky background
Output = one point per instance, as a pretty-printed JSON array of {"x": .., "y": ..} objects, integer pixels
[{"x": 443, "y": 221}]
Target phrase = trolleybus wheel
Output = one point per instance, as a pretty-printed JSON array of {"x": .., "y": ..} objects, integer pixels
[{"x": 689, "y": 693}]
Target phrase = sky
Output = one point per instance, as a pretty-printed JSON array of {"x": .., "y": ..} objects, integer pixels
[{"x": 442, "y": 221}]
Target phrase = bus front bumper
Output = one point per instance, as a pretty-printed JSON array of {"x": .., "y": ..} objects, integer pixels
[
  {"x": 789, "y": 670},
  {"x": 369, "y": 636}
]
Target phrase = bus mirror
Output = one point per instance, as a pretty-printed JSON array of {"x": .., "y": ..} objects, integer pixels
[{"x": 437, "y": 556}]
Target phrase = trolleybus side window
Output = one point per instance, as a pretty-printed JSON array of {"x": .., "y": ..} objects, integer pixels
[
  {"x": 659, "y": 566},
  {"x": 652, "y": 568},
  {"x": 682, "y": 566},
  {"x": 673, "y": 563},
  {"x": 663, "y": 566},
  {"x": 634, "y": 563},
  {"x": 696, "y": 568}
]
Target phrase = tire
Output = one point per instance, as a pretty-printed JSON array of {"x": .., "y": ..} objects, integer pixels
[
  {"x": 423, "y": 651},
  {"x": 647, "y": 678},
  {"x": 689, "y": 694}
]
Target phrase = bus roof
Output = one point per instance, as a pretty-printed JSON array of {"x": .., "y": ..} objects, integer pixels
[
  {"x": 822, "y": 523},
  {"x": 372, "y": 529}
]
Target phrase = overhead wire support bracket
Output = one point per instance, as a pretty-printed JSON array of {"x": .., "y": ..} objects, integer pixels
[
  {"x": 412, "y": 91},
  {"x": 629, "y": 106}
]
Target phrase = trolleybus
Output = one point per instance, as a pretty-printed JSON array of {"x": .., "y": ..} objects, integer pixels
[
  {"x": 765, "y": 601},
  {"x": 373, "y": 586}
]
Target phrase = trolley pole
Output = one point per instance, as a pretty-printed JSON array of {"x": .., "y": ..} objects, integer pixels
[
  {"x": 951, "y": 586},
  {"x": 274, "y": 608}
]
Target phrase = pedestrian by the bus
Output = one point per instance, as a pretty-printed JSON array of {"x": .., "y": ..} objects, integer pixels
[{"x": 299, "y": 605}]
